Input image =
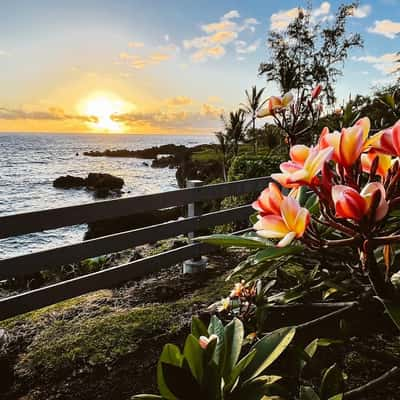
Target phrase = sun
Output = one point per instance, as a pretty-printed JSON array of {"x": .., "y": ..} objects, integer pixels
[{"x": 103, "y": 106}]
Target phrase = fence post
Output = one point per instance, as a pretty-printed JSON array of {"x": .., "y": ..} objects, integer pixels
[{"x": 197, "y": 264}]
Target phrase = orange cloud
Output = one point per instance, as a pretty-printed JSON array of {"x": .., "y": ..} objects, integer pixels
[
  {"x": 219, "y": 34},
  {"x": 179, "y": 101},
  {"x": 387, "y": 28},
  {"x": 52, "y": 114},
  {"x": 135, "y": 45}
]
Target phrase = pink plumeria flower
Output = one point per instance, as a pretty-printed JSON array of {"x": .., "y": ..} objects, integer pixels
[
  {"x": 306, "y": 163},
  {"x": 350, "y": 204},
  {"x": 347, "y": 144},
  {"x": 291, "y": 224},
  {"x": 205, "y": 341}
]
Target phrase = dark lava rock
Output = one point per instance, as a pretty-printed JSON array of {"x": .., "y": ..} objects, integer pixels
[
  {"x": 101, "y": 181},
  {"x": 103, "y": 185},
  {"x": 115, "y": 225},
  {"x": 163, "y": 162},
  {"x": 204, "y": 171},
  {"x": 149, "y": 153},
  {"x": 68, "y": 182}
]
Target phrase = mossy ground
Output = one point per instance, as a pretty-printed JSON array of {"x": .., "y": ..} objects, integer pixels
[{"x": 105, "y": 345}]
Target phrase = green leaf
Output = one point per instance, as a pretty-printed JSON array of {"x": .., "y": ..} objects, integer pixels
[
  {"x": 308, "y": 393},
  {"x": 332, "y": 383},
  {"x": 395, "y": 213},
  {"x": 324, "y": 342},
  {"x": 273, "y": 252},
  {"x": 329, "y": 292},
  {"x": 233, "y": 241},
  {"x": 312, "y": 204},
  {"x": 217, "y": 328},
  {"x": 337, "y": 397},
  {"x": 309, "y": 352},
  {"x": 393, "y": 309},
  {"x": 181, "y": 382},
  {"x": 146, "y": 397},
  {"x": 253, "y": 218},
  {"x": 193, "y": 354},
  {"x": 198, "y": 328},
  {"x": 170, "y": 355},
  {"x": 233, "y": 340},
  {"x": 268, "y": 349},
  {"x": 293, "y": 294},
  {"x": 237, "y": 370}
]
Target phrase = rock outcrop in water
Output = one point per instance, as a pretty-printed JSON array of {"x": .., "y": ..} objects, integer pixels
[
  {"x": 69, "y": 182},
  {"x": 173, "y": 156},
  {"x": 150, "y": 153},
  {"x": 102, "y": 184}
]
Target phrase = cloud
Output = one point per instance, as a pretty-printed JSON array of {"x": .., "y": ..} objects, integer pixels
[
  {"x": 207, "y": 52},
  {"x": 218, "y": 35},
  {"x": 179, "y": 101},
  {"x": 322, "y": 10},
  {"x": 158, "y": 57},
  {"x": 231, "y": 14},
  {"x": 223, "y": 37},
  {"x": 361, "y": 11},
  {"x": 170, "y": 119},
  {"x": 52, "y": 114},
  {"x": 212, "y": 111},
  {"x": 135, "y": 45},
  {"x": 243, "y": 48},
  {"x": 386, "y": 27},
  {"x": 3, "y": 53},
  {"x": 214, "y": 99},
  {"x": 384, "y": 63},
  {"x": 280, "y": 20},
  {"x": 140, "y": 62}
]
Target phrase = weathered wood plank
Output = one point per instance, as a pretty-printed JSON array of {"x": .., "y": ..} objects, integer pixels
[
  {"x": 34, "y": 262},
  {"x": 111, "y": 277},
  {"x": 37, "y": 221}
]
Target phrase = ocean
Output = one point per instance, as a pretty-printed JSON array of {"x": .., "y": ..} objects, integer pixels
[{"x": 30, "y": 162}]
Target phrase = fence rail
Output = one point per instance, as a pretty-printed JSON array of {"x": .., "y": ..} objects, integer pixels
[{"x": 20, "y": 224}]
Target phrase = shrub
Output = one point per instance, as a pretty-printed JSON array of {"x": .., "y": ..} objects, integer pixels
[{"x": 252, "y": 166}]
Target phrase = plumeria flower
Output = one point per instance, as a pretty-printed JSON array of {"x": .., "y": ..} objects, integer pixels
[
  {"x": 349, "y": 143},
  {"x": 387, "y": 141},
  {"x": 350, "y": 204},
  {"x": 289, "y": 225},
  {"x": 224, "y": 304},
  {"x": 384, "y": 162},
  {"x": 205, "y": 341},
  {"x": 306, "y": 163},
  {"x": 269, "y": 201},
  {"x": 275, "y": 104},
  {"x": 237, "y": 290}
]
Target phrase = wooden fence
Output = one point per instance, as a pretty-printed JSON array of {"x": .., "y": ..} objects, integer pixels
[{"x": 25, "y": 223}]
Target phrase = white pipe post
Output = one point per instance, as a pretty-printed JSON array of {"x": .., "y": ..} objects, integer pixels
[{"x": 197, "y": 264}]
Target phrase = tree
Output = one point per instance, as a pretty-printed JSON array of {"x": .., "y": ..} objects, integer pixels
[
  {"x": 224, "y": 148},
  {"x": 235, "y": 128},
  {"x": 308, "y": 53},
  {"x": 252, "y": 107}
]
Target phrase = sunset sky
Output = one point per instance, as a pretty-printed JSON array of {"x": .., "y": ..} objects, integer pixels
[{"x": 160, "y": 66}]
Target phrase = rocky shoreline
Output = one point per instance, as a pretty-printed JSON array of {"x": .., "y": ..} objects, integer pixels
[
  {"x": 166, "y": 156},
  {"x": 172, "y": 156}
]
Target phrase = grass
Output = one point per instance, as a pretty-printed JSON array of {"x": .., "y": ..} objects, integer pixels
[{"x": 99, "y": 340}]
